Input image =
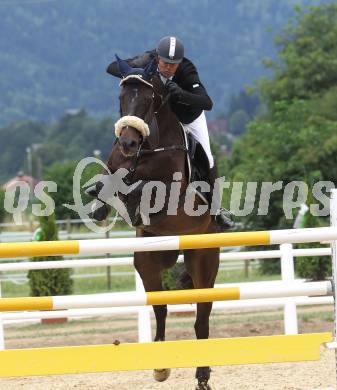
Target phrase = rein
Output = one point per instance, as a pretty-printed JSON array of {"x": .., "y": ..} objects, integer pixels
[
  {"x": 163, "y": 101},
  {"x": 141, "y": 152}
]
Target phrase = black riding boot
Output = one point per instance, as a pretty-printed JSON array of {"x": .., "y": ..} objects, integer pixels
[{"x": 222, "y": 217}]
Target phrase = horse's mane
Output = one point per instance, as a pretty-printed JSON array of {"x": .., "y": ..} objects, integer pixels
[
  {"x": 158, "y": 85},
  {"x": 159, "y": 89}
]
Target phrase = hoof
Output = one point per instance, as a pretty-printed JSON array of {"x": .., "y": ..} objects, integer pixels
[
  {"x": 92, "y": 191},
  {"x": 161, "y": 375},
  {"x": 99, "y": 214},
  {"x": 203, "y": 386}
]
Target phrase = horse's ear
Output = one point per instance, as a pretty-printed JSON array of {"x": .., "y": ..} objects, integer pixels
[
  {"x": 123, "y": 67},
  {"x": 151, "y": 68}
]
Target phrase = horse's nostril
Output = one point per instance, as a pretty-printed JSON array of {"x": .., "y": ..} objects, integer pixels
[
  {"x": 128, "y": 145},
  {"x": 132, "y": 144}
]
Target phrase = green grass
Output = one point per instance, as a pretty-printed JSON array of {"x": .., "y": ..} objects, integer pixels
[
  {"x": 238, "y": 276},
  {"x": 14, "y": 290},
  {"x": 81, "y": 286},
  {"x": 98, "y": 285},
  {"x": 125, "y": 282}
]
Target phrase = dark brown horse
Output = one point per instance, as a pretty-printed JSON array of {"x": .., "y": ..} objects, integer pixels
[{"x": 157, "y": 157}]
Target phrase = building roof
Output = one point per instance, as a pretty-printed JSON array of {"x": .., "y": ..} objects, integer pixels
[{"x": 12, "y": 183}]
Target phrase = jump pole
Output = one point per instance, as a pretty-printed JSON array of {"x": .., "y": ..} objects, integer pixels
[
  {"x": 167, "y": 354},
  {"x": 144, "y": 244},
  {"x": 165, "y": 297}
]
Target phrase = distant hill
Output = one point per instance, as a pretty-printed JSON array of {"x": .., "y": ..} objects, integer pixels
[{"x": 54, "y": 52}]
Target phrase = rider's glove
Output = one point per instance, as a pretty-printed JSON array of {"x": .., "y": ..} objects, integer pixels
[{"x": 175, "y": 91}]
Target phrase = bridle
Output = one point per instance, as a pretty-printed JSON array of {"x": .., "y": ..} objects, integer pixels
[{"x": 141, "y": 151}]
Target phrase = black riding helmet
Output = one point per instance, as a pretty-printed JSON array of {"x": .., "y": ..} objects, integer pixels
[{"x": 171, "y": 50}]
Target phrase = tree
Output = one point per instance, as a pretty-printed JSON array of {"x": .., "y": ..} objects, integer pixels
[
  {"x": 313, "y": 267},
  {"x": 63, "y": 175},
  {"x": 71, "y": 138},
  {"x": 49, "y": 282},
  {"x": 15, "y": 138},
  {"x": 307, "y": 59},
  {"x": 249, "y": 103},
  {"x": 238, "y": 121},
  {"x": 215, "y": 148},
  {"x": 298, "y": 135},
  {"x": 2, "y": 205}
]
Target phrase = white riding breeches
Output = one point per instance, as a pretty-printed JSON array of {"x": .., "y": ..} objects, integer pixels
[{"x": 200, "y": 131}]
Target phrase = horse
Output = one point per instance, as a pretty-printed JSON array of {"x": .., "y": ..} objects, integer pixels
[{"x": 150, "y": 145}]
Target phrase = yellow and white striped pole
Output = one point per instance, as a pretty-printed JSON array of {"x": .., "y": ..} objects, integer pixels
[
  {"x": 165, "y": 297},
  {"x": 144, "y": 244}
]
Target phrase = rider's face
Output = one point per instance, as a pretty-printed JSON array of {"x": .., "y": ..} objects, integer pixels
[{"x": 166, "y": 69}]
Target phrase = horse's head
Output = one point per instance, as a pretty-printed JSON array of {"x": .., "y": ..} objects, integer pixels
[{"x": 136, "y": 104}]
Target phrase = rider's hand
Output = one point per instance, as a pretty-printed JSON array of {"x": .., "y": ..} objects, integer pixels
[{"x": 173, "y": 88}]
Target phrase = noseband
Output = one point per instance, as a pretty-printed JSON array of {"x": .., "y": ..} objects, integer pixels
[{"x": 133, "y": 121}]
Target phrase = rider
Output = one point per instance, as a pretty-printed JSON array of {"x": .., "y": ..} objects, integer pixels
[{"x": 188, "y": 97}]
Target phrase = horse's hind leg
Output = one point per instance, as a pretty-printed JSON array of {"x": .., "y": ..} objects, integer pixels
[{"x": 202, "y": 265}]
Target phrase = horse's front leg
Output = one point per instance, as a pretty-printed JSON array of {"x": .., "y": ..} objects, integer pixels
[
  {"x": 201, "y": 327},
  {"x": 160, "y": 313},
  {"x": 149, "y": 266},
  {"x": 202, "y": 266}
]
